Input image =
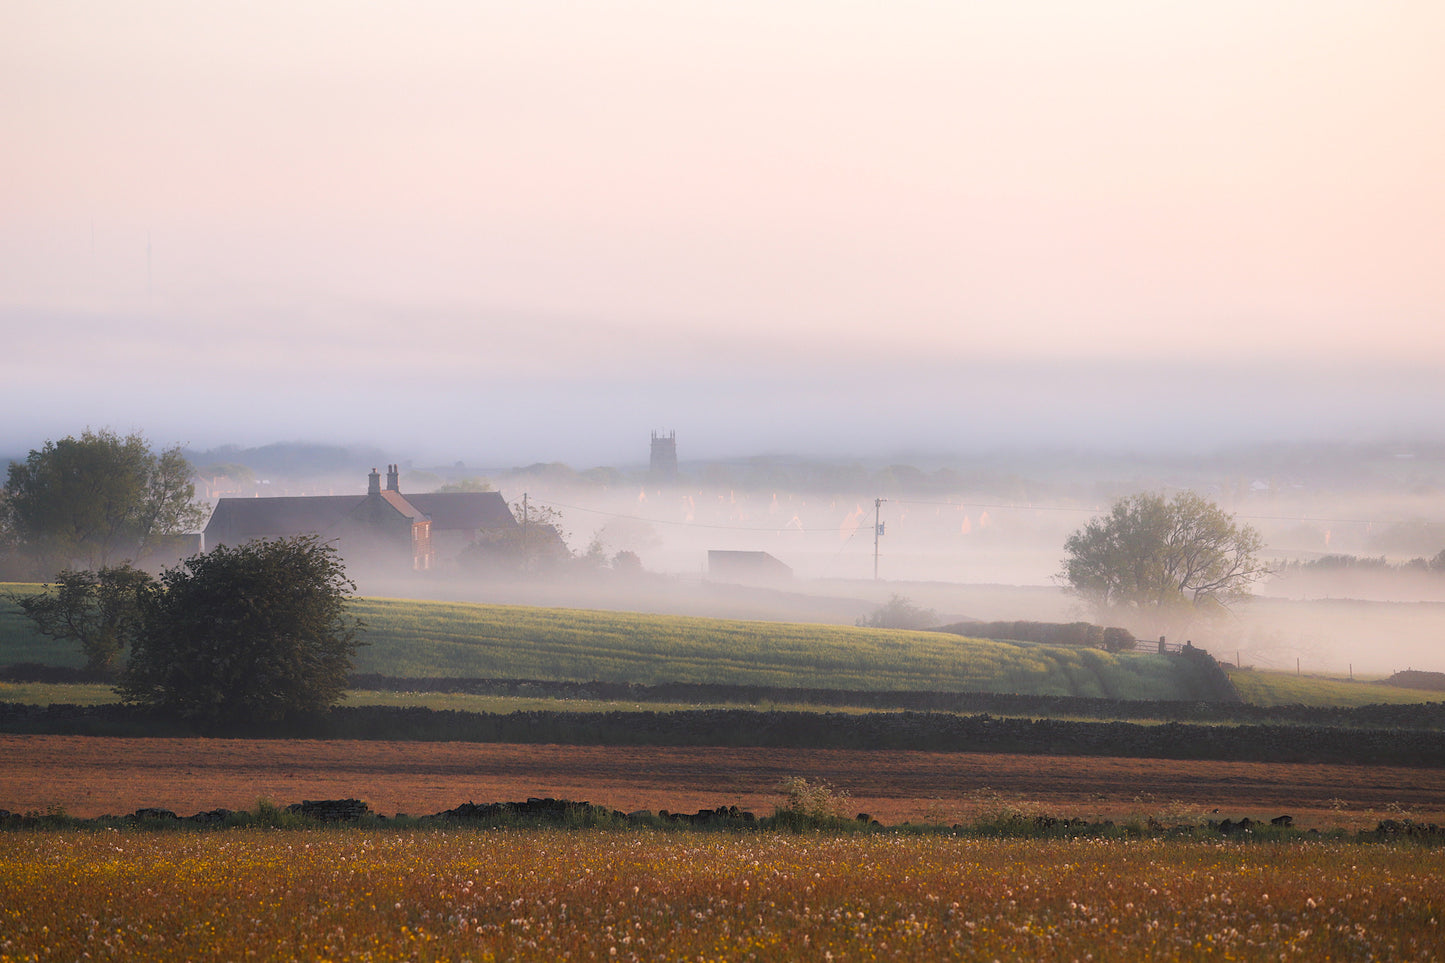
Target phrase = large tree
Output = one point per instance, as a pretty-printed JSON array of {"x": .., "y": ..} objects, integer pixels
[
  {"x": 100, "y": 611},
  {"x": 258, "y": 632},
  {"x": 1166, "y": 559},
  {"x": 90, "y": 501}
]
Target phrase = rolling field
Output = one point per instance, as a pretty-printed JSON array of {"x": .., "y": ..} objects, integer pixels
[
  {"x": 556, "y": 894},
  {"x": 438, "y": 639},
  {"x": 1287, "y": 689},
  {"x": 448, "y": 639},
  {"x": 488, "y": 641},
  {"x": 538, "y": 894}
]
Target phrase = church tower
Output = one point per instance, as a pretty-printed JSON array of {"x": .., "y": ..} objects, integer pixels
[{"x": 663, "y": 467}]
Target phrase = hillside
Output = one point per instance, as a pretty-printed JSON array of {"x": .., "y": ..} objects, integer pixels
[
  {"x": 1264, "y": 688},
  {"x": 491, "y": 641},
  {"x": 435, "y": 639}
]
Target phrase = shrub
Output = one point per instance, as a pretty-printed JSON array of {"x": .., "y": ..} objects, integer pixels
[{"x": 257, "y": 633}]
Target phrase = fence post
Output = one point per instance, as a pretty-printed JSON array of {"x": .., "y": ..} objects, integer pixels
[{"x": 1163, "y": 646}]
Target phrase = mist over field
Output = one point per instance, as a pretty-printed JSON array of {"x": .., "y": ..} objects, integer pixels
[
  {"x": 967, "y": 536},
  {"x": 997, "y": 263}
]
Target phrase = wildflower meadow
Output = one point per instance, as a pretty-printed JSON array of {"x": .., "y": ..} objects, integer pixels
[{"x": 559, "y": 894}]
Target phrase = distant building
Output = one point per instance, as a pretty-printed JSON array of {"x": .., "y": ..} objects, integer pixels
[
  {"x": 663, "y": 466},
  {"x": 382, "y": 529},
  {"x": 751, "y": 567}
]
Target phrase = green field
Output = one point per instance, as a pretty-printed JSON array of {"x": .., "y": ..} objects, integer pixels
[
  {"x": 439, "y": 639},
  {"x": 44, "y": 694},
  {"x": 1288, "y": 689},
  {"x": 430, "y": 639},
  {"x": 450, "y": 639},
  {"x": 19, "y": 642}
]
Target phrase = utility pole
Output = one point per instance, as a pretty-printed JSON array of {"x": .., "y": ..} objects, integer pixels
[
  {"x": 877, "y": 531},
  {"x": 525, "y": 513}
]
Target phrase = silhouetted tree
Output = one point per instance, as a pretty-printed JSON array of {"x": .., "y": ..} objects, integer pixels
[
  {"x": 87, "y": 501},
  {"x": 254, "y": 633},
  {"x": 101, "y": 611}
]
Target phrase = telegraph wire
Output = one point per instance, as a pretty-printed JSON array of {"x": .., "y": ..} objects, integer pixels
[{"x": 988, "y": 506}]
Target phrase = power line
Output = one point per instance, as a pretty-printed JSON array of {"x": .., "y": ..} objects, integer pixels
[
  {"x": 785, "y": 527},
  {"x": 1030, "y": 507}
]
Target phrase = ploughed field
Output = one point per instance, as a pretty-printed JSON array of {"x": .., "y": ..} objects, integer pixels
[
  {"x": 552, "y": 894},
  {"x": 91, "y": 776}
]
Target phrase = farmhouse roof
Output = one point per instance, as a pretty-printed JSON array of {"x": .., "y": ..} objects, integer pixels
[
  {"x": 398, "y": 501},
  {"x": 235, "y": 520},
  {"x": 238, "y": 519},
  {"x": 464, "y": 511}
]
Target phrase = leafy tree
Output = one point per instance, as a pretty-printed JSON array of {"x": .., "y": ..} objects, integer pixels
[
  {"x": 100, "y": 610},
  {"x": 535, "y": 544},
  {"x": 596, "y": 555},
  {"x": 1167, "y": 559},
  {"x": 627, "y": 562},
  {"x": 900, "y": 612},
  {"x": 258, "y": 632},
  {"x": 98, "y": 497}
]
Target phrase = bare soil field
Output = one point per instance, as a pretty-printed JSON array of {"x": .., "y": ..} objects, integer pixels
[{"x": 90, "y": 776}]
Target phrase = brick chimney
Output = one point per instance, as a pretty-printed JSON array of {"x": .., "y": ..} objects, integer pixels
[
  {"x": 373, "y": 483},
  {"x": 393, "y": 478}
]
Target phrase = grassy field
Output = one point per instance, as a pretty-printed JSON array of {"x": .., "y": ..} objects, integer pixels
[
  {"x": 450, "y": 639},
  {"x": 433, "y": 639},
  {"x": 19, "y": 642},
  {"x": 45, "y": 693},
  {"x": 596, "y": 895},
  {"x": 1286, "y": 689}
]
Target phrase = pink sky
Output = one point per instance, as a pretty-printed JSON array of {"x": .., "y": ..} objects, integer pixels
[{"x": 449, "y": 195}]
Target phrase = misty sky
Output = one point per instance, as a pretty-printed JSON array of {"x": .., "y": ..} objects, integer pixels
[{"x": 508, "y": 232}]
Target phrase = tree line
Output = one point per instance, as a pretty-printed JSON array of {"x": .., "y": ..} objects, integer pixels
[{"x": 257, "y": 632}]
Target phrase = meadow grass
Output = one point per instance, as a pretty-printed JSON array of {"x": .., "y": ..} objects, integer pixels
[
  {"x": 1286, "y": 689},
  {"x": 408, "y": 638},
  {"x": 429, "y": 639},
  {"x": 540, "y": 894},
  {"x": 19, "y": 642},
  {"x": 51, "y": 693}
]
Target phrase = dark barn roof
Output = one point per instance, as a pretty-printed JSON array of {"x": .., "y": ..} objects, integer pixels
[
  {"x": 746, "y": 566},
  {"x": 236, "y": 520},
  {"x": 240, "y": 519},
  {"x": 464, "y": 511}
]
